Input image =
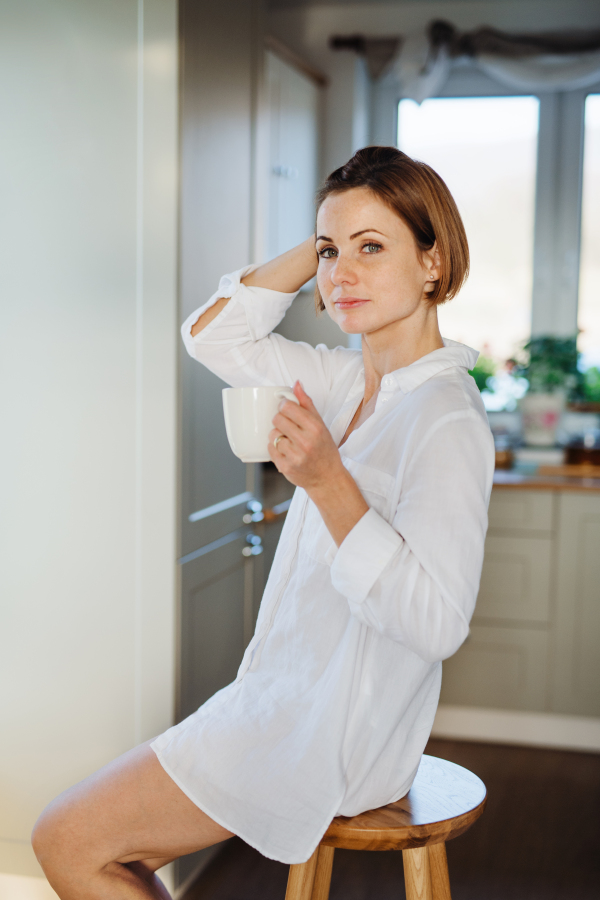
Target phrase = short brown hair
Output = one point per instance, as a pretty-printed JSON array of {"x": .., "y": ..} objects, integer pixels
[{"x": 422, "y": 200}]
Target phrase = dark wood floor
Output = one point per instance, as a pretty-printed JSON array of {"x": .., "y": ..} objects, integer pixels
[{"x": 539, "y": 838}]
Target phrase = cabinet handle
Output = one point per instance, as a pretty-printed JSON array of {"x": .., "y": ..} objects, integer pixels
[
  {"x": 254, "y": 514},
  {"x": 254, "y": 547},
  {"x": 277, "y": 512},
  {"x": 290, "y": 172}
]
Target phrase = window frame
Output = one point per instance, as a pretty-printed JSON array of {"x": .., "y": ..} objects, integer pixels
[{"x": 558, "y": 189}]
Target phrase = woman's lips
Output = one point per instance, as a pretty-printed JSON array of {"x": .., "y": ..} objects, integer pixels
[{"x": 350, "y": 302}]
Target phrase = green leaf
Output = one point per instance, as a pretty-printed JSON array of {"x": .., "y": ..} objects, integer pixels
[
  {"x": 551, "y": 364},
  {"x": 482, "y": 372}
]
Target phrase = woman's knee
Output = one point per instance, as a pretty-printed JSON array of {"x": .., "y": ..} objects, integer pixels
[{"x": 52, "y": 836}]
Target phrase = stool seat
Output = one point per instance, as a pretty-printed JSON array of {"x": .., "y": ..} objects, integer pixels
[{"x": 443, "y": 802}]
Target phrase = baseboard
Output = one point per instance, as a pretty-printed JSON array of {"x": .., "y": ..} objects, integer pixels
[{"x": 503, "y": 726}]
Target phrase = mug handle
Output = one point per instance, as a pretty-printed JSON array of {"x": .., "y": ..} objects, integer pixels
[{"x": 286, "y": 394}]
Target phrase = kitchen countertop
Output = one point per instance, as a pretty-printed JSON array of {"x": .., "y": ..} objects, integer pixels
[
  {"x": 525, "y": 478},
  {"x": 513, "y": 479}
]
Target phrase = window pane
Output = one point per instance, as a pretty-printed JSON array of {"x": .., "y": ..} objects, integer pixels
[
  {"x": 485, "y": 149},
  {"x": 589, "y": 273}
]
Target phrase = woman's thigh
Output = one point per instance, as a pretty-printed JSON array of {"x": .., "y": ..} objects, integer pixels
[{"x": 128, "y": 811}]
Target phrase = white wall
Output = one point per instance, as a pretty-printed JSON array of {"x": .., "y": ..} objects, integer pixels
[{"x": 88, "y": 331}]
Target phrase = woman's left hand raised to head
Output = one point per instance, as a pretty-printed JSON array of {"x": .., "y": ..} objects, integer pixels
[{"x": 308, "y": 457}]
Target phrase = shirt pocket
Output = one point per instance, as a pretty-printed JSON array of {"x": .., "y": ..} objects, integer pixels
[{"x": 378, "y": 489}]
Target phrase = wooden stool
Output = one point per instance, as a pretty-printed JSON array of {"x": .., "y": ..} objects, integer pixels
[{"x": 443, "y": 802}]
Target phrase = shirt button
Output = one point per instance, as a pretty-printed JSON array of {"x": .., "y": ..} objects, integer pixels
[{"x": 387, "y": 382}]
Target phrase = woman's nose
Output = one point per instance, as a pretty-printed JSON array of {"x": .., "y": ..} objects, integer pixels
[{"x": 343, "y": 271}]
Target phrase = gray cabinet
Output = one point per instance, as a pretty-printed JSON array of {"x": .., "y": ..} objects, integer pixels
[
  {"x": 215, "y": 596},
  {"x": 504, "y": 663},
  {"x": 576, "y": 659},
  {"x": 533, "y": 643},
  {"x": 498, "y": 666},
  {"x": 292, "y": 105},
  {"x": 526, "y": 511},
  {"x": 515, "y": 580},
  {"x": 215, "y": 238},
  {"x": 534, "y": 637},
  {"x": 210, "y": 473},
  {"x": 219, "y": 53},
  {"x": 220, "y": 591}
]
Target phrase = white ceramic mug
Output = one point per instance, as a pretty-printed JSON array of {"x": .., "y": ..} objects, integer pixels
[{"x": 249, "y": 413}]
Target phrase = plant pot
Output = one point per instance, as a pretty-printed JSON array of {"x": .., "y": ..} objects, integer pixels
[{"x": 541, "y": 416}]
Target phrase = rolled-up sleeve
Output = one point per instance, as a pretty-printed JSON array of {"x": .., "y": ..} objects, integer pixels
[
  {"x": 416, "y": 579},
  {"x": 363, "y": 557},
  {"x": 239, "y": 345}
]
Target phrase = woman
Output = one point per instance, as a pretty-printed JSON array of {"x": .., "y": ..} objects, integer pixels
[{"x": 378, "y": 567}]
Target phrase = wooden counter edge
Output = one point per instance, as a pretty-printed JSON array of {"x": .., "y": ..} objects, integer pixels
[{"x": 542, "y": 483}]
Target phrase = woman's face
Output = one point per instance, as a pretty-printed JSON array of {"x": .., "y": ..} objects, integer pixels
[{"x": 371, "y": 272}]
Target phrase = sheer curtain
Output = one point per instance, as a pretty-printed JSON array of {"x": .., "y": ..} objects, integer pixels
[{"x": 545, "y": 62}]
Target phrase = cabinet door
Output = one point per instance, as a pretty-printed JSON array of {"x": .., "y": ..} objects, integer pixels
[
  {"x": 521, "y": 510},
  {"x": 576, "y": 664},
  {"x": 211, "y": 474},
  {"x": 215, "y": 211},
  {"x": 498, "y": 667},
  {"x": 292, "y": 101},
  {"x": 216, "y": 116},
  {"x": 515, "y": 580},
  {"x": 217, "y": 619}
]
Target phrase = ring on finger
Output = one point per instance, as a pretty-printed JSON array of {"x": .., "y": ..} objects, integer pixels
[{"x": 279, "y": 437}]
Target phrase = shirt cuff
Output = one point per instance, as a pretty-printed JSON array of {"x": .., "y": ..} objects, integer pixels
[
  {"x": 363, "y": 555},
  {"x": 263, "y": 308},
  {"x": 228, "y": 285}
]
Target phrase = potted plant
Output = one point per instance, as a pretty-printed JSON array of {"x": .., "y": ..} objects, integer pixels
[
  {"x": 550, "y": 367},
  {"x": 587, "y": 394}
]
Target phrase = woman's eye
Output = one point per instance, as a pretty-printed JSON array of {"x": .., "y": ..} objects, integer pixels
[
  {"x": 372, "y": 247},
  {"x": 327, "y": 253}
]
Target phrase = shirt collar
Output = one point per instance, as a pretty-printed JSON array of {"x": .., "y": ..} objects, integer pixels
[{"x": 449, "y": 356}]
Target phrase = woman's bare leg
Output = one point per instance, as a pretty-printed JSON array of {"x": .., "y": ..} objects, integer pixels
[{"x": 104, "y": 838}]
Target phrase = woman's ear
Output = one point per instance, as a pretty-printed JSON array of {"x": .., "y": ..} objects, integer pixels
[{"x": 432, "y": 265}]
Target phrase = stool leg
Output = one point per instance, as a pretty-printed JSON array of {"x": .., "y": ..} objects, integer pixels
[
  {"x": 301, "y": 879},
  {"x": 438, "y": 864},
  {"x": 417, "y": 874},
  {"x": 323, "y": 873}
]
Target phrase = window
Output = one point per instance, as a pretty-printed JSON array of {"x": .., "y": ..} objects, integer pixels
[
  {"x": 589, "y": 272},
  {"x": 485, "y": 149}
]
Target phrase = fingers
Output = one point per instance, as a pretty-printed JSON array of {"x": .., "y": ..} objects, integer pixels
[
  {"x": 303, "y": 411},
  {"x": 303, "y": 398},
  {"x": 277, "y": 450},
  {"x": 292, "y": 416},
  {"x": 275, "y": 439},
  {"x": 291, "y": 429},
  {"x": 300, "y": 441}
]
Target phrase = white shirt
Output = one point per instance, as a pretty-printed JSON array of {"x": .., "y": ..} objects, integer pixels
[{"x": 337, "y": 691}]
